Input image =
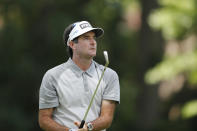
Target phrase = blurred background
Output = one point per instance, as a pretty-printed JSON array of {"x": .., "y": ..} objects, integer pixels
[{"x": 152, "y": 45}]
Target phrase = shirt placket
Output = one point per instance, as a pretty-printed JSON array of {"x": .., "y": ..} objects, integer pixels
[{"x": 85, "y": 81}]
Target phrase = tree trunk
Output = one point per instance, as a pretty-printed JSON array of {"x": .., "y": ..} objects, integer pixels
[{"x": 149, "y": 53}]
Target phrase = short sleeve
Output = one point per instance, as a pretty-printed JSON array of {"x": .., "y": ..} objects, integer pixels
[
  {"x": 112, "y": 89},
  {"x": 48, "y": 95}
]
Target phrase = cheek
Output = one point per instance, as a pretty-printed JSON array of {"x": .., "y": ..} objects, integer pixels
[
  {"x": 81, "y": 48},
  {"x": 84, "y": 46}
]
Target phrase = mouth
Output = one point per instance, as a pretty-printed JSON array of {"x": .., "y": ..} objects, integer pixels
[{"x": 92, "y": 48}]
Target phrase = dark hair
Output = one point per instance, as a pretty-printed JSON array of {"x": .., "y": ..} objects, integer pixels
[{"x": 65, "y": 38}]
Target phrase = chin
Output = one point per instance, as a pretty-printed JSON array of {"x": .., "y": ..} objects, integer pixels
[{"x": 93, "y": 54}]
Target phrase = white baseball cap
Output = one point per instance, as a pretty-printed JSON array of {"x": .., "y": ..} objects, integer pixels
[{"x": 81, "y": 28}]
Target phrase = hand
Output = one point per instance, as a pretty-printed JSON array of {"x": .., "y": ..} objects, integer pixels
[{"x": 85, "y": 128}]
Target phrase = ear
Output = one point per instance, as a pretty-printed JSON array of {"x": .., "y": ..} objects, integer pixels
[{"x": 72, "y": 44}]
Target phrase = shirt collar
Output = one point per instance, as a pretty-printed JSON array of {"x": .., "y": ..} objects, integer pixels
[
  {"x": 91, "y": 69},
  {"x": 78, "y": 71}
]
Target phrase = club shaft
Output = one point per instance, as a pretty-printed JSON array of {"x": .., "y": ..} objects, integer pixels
[
  {"x": 94, "y": 94},
  {"x": 90, "y": 104}
]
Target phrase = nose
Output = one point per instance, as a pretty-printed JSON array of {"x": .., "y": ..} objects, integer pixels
[{"x": 93, "y": 41}]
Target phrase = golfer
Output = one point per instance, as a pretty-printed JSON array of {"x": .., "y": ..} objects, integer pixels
[{"x": 66, "y": 90}]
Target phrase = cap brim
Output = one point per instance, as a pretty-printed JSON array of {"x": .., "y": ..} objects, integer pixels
[{"x": 98, "y": 32}]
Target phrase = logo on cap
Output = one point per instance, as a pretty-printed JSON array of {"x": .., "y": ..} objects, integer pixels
[{"x": 85, "y": 25}]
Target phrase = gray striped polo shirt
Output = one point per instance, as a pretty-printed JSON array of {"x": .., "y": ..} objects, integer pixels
[{"x": 69, "y": 89}]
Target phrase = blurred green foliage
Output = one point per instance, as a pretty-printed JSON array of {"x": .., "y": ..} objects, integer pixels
[
  {"x": 171, "y": 67},
  {"x": 175, "y": 18},
  {"x": 177, "y": 21}
]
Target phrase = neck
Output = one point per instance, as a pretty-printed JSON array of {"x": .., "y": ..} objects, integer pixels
[{"x": 82, "y": 63}]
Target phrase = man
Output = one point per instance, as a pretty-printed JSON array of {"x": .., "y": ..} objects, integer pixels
[{"x": 66, "y": 90}]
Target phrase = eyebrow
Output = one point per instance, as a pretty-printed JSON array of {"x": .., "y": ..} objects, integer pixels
[{"x": 86, "y": 35}]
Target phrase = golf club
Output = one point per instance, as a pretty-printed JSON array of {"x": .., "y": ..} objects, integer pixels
[{"x": 106, "y": 64}]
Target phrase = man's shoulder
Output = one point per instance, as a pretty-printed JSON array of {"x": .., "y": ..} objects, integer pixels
[{"x": 57, "y": 70}]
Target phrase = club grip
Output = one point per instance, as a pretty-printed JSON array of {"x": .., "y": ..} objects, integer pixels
[{"x": 82, "y": 124}]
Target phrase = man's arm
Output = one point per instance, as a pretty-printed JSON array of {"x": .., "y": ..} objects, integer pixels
[
  {"x": 47, "y": 123},
  {"x": 105, "y": 119}
]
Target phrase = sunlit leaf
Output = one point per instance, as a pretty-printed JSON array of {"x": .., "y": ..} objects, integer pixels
[
  {"x": 170, "y": 67},
  {"x": 189, "y": 109}
]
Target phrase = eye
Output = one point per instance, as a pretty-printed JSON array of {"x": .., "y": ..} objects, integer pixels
[
  {"x": 86, "y": 37},
  {"x": 89, "y": 37}
]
